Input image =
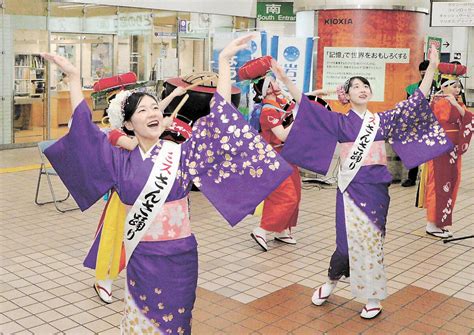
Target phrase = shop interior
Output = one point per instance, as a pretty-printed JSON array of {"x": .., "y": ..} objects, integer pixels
[{"x": 102, "y": 41}]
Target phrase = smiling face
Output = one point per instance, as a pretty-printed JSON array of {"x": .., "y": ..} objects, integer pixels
[
  {"x": 145, "y": 121},
  {"x": 359, "y": 92}
]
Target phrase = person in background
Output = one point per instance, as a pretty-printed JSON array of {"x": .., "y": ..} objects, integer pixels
[
  {"x": 410, "y": 89},
  {"x": 441, "y": 176},
  {"x": 63, "y": 83},
  {"x": 275, "y": 117}
]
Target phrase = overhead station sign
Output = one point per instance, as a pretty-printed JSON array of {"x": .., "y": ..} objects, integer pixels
[{"x": 275, "y": 11}]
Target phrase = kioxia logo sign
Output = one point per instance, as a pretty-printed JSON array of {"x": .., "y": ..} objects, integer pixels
[{"x": 336, "y": 21}]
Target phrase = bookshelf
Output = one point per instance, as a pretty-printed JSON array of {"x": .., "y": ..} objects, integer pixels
[{"x": 29, "y": 80}]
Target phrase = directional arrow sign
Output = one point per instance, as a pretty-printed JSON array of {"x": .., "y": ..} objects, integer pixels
[{"x": 445, "y": 46}]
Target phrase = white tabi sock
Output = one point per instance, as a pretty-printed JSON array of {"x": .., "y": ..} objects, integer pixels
[
  {"x": 431, "y": 227},
  {"x": 373, "y": 303},
  {"x": 261, "y": 232}
]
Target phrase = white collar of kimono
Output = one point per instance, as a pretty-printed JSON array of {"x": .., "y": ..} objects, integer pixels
[
  {"x": 147, "y": 154},
  {"x": 359, "y": 150},
  {"x": 361, "y": 115},
  {"x": 152, "y": 197}
]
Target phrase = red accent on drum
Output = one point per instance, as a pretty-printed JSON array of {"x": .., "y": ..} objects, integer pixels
[
  {"x": 255, "y": 68},
  {"x": 116, "y": 81}
]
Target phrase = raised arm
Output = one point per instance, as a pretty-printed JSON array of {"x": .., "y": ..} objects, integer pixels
[
  {"x": 224, "y": 85},
  {"x": 281, "y": 75},
  {"x": 75, "y": 87},
  {"x": 454, "y": 102},
  {"x": 425, "y": 85},
  {"x": 178, "y": 91},
  {"x": 84, "y": 159},
  {"x": 127, "y": 143}
]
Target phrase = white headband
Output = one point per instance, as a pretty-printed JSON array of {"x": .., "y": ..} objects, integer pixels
[
  {"x": 266, "y": 84},
  {"x": 449, "y": 82}
]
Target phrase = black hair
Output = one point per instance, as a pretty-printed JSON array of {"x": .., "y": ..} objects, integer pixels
[
  {"x": 258, "y": 87},
  {"x": 130, "y": 106},
  {"x": 423, "y": 65},
  {"x": 349, "y": 82},
  {"x": 443, "y": 80}
]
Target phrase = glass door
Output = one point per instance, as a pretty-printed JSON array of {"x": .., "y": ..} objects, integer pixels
[
  {"x": 24, "y": 32},
  {"x": 93, "y": 55},
  {"x": 192, "y": 55},
  {"x": 29, "y": 101}
]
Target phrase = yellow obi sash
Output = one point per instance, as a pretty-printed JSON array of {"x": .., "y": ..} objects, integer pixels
[{"x": 171, "y": 223}]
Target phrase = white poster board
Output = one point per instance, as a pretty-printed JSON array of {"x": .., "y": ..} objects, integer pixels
[
  {"x": 342, "y": 63},
  {"x": 452, "y": 14}
]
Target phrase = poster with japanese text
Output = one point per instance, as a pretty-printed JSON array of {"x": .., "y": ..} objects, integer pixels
[{"x": 384, "y": 46}]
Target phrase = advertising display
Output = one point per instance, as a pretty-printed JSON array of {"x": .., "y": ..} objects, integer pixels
[
  {"x": 384, "y": 46},
  {"x": 295, "y": 55}
]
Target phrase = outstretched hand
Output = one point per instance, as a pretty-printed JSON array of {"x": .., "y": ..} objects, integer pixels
[
  {"x": 433, "y": 57},
  {"x": 235, "y": 46},
  {"x": 166, "y": 123},
  {"x": 64, "y": 64},
  {"x": 178, "y": 91},
  {"x": 278, "y": 71},
  {"x": 451, "y": 99},
  {"x": 280, "y": 74},
  {"x": 75, "y": 88}
]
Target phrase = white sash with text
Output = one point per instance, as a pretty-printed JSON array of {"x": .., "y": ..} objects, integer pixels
[
  {"x": 152, "y": 197},
  {"x": 359, "y": 150}
]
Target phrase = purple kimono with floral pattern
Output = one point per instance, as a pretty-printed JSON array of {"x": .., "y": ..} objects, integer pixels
[
  {"x": 361, "y": 210},
  {"x": 230, "y": 163}
]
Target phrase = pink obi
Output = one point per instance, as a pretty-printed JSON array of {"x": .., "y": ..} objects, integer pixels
[
  {"x": 376, "y": 155},
  {"x": 171, "y": 223}
]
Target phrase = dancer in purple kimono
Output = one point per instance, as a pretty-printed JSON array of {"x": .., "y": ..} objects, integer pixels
[
  {"x": 362, "y": 197},
  {"x": 155, "y": 179}
]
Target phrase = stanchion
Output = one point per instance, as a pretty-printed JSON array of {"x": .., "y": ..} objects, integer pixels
[{"x": 457, "y": 238}]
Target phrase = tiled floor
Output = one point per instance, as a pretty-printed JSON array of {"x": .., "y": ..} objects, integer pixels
[{"x": 44, "y": 288}]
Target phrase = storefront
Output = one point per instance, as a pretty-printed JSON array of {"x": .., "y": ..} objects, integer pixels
[{"x": 101, "y": 40}]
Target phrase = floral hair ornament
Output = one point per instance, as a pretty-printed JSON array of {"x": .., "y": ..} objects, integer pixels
[
  {"x": 115, "y": 109},
  {"x": 341, "y": 93}
]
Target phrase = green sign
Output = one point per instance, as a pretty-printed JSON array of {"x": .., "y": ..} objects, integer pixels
[
  {"x": 275, "y": 11},
  {"x": 436, "y": 41}
]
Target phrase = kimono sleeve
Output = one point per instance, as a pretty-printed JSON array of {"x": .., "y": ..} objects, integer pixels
[
  {"x": 441, "y": 109},
  {"x": 312, "y": 138},
  {"x": 466, "y": 130},
  {"x": 414, "y": 132},
  {"x": 84, "y": 159},
  {"x": 231, "y": 164},
  {"x": 269, "y": 118}
]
